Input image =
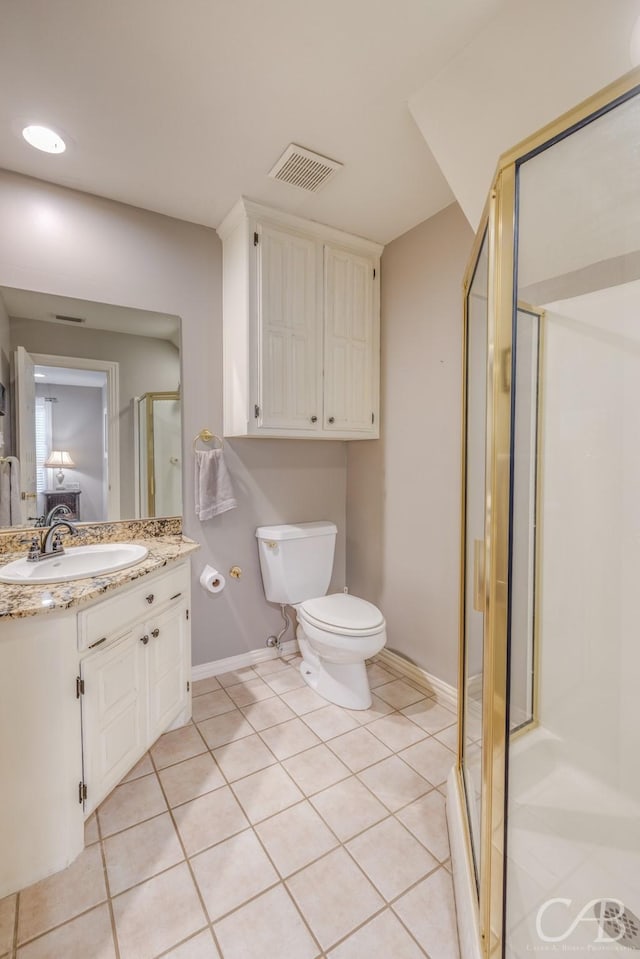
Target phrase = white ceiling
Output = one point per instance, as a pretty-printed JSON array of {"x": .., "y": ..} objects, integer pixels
[
  {"x": 181, "y": 107},
  {"x": 539, "y": 59},
  {"x": 25, "y": 304}
]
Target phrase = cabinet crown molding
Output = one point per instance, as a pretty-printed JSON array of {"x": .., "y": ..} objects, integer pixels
[{"x": 246, "y": 209}]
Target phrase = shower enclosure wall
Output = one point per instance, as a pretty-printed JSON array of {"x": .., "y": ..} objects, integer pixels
[{"x": 544, "y": 805}]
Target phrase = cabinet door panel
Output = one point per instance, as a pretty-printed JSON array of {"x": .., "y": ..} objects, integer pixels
[
  {"x": 349, "y": 341},
  {"x": 167, "y": 668},
  {"x": 289, "y": 331},
  {"x": 113, "y": 716}
]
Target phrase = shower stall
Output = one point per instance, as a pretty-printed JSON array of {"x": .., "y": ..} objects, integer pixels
[{"x": 544, "y": 804}]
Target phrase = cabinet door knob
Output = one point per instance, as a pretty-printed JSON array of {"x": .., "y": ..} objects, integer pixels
[
  {"x": 150, "y": 598},
  {"x": 332, "y": 419},
  {"x": 314, "y": 419},
  {"x": 144, "y": 640},
  {"x": 155, "y": 632}
]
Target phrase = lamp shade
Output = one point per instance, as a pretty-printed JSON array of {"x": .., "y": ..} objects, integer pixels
[{"x": 59, "y": 458}]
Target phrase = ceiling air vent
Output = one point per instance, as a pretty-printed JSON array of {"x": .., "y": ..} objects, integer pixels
[
  {"x": 70, "y": 319},
  {"x": 304, "y": 169}
]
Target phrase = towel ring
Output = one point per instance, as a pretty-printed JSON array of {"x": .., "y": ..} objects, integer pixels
[{"x": 207, "y": 437}]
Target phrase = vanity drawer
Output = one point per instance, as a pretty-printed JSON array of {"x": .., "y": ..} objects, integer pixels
[{"x": 106, "y": 620}]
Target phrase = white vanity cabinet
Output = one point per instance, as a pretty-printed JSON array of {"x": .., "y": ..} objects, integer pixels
[
  {"x": 113, "y": 716},
  {"x": 134, "y": 678},
  {"x": 301, "y": 328},
  {"x": 83, "y": 694}
]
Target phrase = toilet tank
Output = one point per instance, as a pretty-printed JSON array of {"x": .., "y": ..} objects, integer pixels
[{"x": 296, "y": 560}]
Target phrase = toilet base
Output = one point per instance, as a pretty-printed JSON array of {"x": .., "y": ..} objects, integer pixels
[{"x": 345, "y": 684}]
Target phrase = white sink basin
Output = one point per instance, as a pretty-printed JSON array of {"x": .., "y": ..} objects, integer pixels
[{"x": 77, "y": 562}]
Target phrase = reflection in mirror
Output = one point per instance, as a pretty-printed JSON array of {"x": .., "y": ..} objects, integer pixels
[
  {"x": 80, "y": 379},
  {"x": 157, "y": 450}
]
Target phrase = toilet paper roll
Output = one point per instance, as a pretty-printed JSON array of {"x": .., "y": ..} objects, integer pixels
[{"x": 212, "y": 580}]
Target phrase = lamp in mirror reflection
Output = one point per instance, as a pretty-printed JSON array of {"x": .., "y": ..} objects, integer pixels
[{"x": 59, "y": 458}]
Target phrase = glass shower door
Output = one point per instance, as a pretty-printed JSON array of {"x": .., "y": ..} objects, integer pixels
[{"x": 572, "y": 879}]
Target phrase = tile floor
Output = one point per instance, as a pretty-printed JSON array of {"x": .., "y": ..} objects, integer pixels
[{"x": 273, "y": 825}]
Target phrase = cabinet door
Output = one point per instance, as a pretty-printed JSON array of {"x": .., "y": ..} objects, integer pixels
[
  {"x": 351, "y": 342},
  {"x": 114, "y": 730},
  {"x": 289, "y": 331},
  {"x": 167, "y": 653}
]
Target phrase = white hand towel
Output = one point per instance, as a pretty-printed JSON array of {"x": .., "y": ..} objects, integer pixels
[{"x": 213, "y": 487}]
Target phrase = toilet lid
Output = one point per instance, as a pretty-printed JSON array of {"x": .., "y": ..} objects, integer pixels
[{"x": 343, "y": 611}]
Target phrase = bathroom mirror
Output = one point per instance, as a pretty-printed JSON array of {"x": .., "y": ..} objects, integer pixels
[{"x": 93, "y": 411}]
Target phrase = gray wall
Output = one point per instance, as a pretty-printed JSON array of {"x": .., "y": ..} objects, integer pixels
[
  {"x": 403, "y": 498},
  {"x": 146, "y": 364},
  {"x": 59, "y": 241}
]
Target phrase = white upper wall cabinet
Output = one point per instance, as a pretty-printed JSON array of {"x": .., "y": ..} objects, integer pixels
[
  {"x": 289, "y": 324},
  {"x": 301, "y": 314}
]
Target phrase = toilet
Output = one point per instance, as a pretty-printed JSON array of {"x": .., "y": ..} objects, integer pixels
[{"x": 336, "y": 633}]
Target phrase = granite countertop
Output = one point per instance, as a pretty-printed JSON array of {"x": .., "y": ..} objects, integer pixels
[{"x": 18, "y": 601}]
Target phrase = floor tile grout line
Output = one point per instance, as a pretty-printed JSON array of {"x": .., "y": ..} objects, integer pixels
[
  {"x": 327, "y": 742},
  {"x": 21, "y": 944},
  {"x": 406, "y": 927},
  {"x": 14, "y": 947},
  {"x": 305, "y": 798},
  {"x": 387, "y": 907},
  {"x": 189, "y": 866},
  {"x": 390, "y": 814},
  {"x": 230, "y": 783},
  {"x": 281, "y": 881},
  {"x": 112, "y": 918},
  {"x": 397, "y": 756},
  {"x": 440, "y": 862},
  {"x": 192, "y": 935},
  {"x": 393, "y": 899},
  {"x": 303, "y": 917},
  {"x": 133, "y": 825},
  {"x": 59, "y": 925}
]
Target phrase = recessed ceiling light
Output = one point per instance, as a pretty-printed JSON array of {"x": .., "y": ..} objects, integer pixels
[{"x": 42, "y": 138}]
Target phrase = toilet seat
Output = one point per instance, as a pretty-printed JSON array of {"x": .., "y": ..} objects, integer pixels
[{"x": 342, "y": 614}]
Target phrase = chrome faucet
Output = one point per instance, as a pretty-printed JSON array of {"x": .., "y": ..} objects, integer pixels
[
  {"x": 61, "y": 510},
  {"x": 51, "y": 543}
]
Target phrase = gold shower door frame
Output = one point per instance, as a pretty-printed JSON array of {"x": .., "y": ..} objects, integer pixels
[
  {"x": 150, "y": 399},
  {"x": 499, "y": 220}
]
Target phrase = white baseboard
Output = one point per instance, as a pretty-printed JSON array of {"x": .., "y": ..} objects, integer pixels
[
  {"x": 442, "y": 692},
  {"x": 217, "y": 666}
]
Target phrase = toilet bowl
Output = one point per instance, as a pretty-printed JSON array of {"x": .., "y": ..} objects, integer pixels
[{"x": 336, "y": 634}]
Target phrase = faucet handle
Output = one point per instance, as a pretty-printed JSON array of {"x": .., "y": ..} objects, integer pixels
[{"x": 34, "y": 550}]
